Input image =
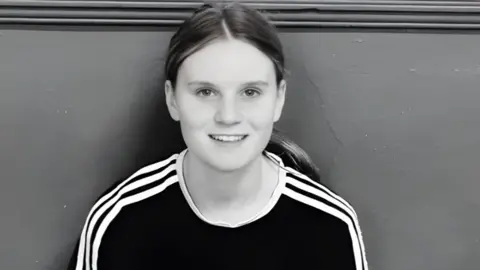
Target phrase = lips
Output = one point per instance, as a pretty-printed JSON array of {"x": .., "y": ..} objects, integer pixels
[{"x": 227, "y": 138}]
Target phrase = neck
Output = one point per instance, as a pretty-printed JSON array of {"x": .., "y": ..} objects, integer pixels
[{"x": 213, "y": 189}]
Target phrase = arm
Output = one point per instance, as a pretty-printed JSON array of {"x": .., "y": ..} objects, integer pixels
[
  {"x": 115, "y": 255},
  {"x": 347, "y": 251},
  {"x": 73, "y": 263}
]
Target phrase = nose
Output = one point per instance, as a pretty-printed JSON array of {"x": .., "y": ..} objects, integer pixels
[{"x": 227, "y": 112}]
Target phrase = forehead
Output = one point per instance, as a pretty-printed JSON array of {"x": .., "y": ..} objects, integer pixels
[{"x": 227, "y": 62}]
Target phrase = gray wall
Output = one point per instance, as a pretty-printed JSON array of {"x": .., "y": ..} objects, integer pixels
[{"x": 392, "y": 119}]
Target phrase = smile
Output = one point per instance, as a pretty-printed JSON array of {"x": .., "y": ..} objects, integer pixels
[{"x": 228, "y": 138}]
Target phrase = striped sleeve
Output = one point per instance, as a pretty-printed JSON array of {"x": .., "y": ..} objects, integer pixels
[
  {"x": 144, "y": 183},
  {"x": 307, "y": 191},
  {"x": 72, "y": 263}
]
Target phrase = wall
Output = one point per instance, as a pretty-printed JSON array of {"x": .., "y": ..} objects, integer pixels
[{"x": 390, "y": 117}]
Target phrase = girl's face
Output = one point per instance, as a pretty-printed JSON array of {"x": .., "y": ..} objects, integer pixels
[{"x": 227, "y": 101}]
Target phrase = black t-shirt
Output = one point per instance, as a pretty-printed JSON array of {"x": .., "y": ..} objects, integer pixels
[{"x": 149, "y": 222}]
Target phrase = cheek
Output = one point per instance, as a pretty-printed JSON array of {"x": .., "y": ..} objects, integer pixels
[
  {"x": 194, "y": 115},
  {"x": 261, "y": 115}
]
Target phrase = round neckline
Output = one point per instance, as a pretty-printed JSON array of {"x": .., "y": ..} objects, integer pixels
[{"x": 265, "y": 210}]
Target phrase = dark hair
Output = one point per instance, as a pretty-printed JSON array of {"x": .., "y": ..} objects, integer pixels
[{"x": 211, "y": 22}]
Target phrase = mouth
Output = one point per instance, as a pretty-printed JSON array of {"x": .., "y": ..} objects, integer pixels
[{"x": 228, "y": 138}]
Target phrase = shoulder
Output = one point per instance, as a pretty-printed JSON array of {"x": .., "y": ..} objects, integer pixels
[
  {"x": 313, "y": 194},
  {"x": 317, "y": 196},
  {"x": 148, "y": 181}
]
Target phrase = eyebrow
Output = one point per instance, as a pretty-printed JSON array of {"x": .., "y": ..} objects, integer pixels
[{"x": 209, "y": 84}]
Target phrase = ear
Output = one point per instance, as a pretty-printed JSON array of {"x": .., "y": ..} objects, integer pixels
[
  {"x": 281, "y": 93},
  {"x": 171, "y": 101}
]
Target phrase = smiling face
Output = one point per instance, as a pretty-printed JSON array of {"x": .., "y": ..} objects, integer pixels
[{"x": 227, "y": 101}]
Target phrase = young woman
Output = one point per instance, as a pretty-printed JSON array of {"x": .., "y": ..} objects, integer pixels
[{"x": 240, "y": 196}]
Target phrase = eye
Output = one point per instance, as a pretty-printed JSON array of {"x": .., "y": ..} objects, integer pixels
[
  {"x": 251, "y": 92},
  {"x": 205, "y": 92}
]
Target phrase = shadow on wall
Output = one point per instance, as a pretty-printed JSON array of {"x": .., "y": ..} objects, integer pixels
[
  {"x": 156, "y": 135},
  {"x": 151, "y": 136},
  {"x": 159, "y": 136}
]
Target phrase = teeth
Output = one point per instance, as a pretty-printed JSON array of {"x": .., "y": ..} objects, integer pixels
[{"x": 228, "y": 138}]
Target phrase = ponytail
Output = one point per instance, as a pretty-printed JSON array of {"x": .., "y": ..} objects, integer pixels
[{"x": 292, "y": 155}]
